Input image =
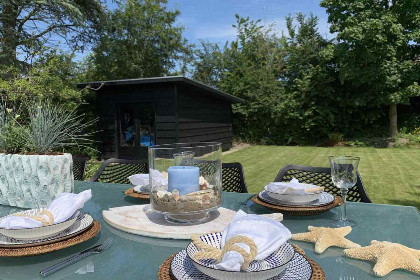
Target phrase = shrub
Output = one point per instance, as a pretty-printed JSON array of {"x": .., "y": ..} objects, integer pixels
[
  {"x": 52, "y": 78},
  {"x": 12, "y": 134},
  {"x": 408, "y": 138},
  {"x": 335, "y": 138},
  {"x": 356, "y": 143}
]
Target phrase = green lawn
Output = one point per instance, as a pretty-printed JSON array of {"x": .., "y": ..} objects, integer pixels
[{"x": 390, "y": 175}]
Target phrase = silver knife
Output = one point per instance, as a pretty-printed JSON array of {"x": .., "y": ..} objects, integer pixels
[{"x": 77, "y": 257}]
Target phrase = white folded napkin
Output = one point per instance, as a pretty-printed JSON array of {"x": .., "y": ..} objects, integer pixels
[
  {"x": 62, "y": 208},
  {"x": 159, "y": 178},
  {"x": 139, "y": 179},
  {"x": 268, "y": 234},
  {"x": 293, "y": 187},
  {"x": 141, "y": 182}
]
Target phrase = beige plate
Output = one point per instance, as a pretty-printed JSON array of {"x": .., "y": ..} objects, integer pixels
[
  {"x": 47, "y": 248},
  {"x": 83, "y": 223},
  {"x": 39, "y": 232}
]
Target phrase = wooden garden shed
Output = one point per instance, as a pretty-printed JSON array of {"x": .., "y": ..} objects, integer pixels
[{"x": 136, "y": 113}]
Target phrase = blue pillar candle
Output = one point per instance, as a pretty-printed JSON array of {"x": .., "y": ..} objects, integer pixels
[{"x": 183, "y": 178}]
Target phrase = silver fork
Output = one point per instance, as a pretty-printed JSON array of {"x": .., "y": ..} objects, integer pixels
[{"x": 77, "y": 257}]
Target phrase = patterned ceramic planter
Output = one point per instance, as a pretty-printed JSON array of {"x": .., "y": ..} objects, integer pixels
[{"x": 33, "y": 181}]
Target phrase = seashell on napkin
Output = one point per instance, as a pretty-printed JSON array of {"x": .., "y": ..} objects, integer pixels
[
  {"x": 61, "y": 208},
  {"x": 268, "y": 235},
  {"x": 293, "y": 188}
]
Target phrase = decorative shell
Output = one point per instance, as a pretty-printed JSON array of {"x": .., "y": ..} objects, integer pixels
[
  {"x": 175, "y": 193},
  {"x": 203, "y": 183}
]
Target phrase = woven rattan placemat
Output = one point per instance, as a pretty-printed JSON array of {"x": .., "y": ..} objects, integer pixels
[
  {"x": 130, "y": 192},
  {"x": 42, "y": 249},
  {"x": 298, "y": 211},
  {"x": 317, "y": 272}
]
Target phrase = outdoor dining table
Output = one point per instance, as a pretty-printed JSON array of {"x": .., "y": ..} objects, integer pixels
[{"x": 136, "y": 257}]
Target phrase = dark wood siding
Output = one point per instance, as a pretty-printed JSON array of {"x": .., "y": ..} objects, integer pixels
[
  {"x": 183, "y": 113},
  {"x": 203, "y": 117},
  {"x": 108, "y": 100}
]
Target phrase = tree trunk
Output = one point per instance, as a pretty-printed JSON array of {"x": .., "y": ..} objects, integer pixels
[
  {"x": 9, "y": 36},
  {"x": 393, "y": 126}
]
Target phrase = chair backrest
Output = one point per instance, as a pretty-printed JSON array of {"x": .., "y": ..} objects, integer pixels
[
  {"x": 233, "y": 178},
  {"x": 321, "y": 176},
  {"x": 79, "y": 167},
  {"x": 116, "y": 170}
]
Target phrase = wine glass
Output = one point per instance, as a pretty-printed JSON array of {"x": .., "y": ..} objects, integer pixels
[{"x": 344, "y": 177}]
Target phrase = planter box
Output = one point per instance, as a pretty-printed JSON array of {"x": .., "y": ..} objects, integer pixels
[{"x": 33, "y": 181}]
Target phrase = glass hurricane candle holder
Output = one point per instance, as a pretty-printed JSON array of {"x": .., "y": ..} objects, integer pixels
[{"x": 185, "y": 180}]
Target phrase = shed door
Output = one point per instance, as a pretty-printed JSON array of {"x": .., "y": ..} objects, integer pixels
[{"x": 135, "y": 130}]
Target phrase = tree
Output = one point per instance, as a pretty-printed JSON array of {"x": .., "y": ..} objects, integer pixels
[
  {"x": 251, "y": 68},
  {"x": 378, "y": 49},
  {"x": 30, "y": 25},
  {"x": 141, "y": 39},
  {"x": 52, "y": 77},
  {"x": 309, "y": 108},
  {"x": 287, "y": 82},
  {"x": 208, "y": 64}
]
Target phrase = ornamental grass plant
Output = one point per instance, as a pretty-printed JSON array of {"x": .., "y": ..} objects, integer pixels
[{"x": 47, "y": 129}]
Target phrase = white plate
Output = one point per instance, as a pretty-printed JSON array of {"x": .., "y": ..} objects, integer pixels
[
  {"x": 183, "y": 268},
  {"x": 143, "y": 189},
  {"x": 294, "y": 199},
  {"x": 258, "y": 269},
  {"x": 324, "y": 199},
  {"x": 82, "y": 223},
  {"x": 39, "y": 232}
]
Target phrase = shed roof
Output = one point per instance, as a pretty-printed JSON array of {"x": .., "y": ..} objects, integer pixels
[{"x": 169, "y": 79}]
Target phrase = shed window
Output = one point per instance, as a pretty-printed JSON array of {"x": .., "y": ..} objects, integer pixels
[
  {"x": 136, "y": 125},
  {"x": 127, "y": 127}
]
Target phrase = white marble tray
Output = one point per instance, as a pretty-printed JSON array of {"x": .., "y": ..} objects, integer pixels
[{"x": 141, "y": 220}]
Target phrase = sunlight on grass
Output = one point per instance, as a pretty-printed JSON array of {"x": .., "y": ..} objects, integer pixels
[{"x": 390, "y": 176}]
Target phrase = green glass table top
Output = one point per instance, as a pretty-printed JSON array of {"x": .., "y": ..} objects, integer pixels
[{"x": 136, "y": 257}]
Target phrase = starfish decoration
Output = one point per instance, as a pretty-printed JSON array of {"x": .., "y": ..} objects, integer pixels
[
  {"x": 388, "y": 256},
  {"x": 325, "y": 237}
]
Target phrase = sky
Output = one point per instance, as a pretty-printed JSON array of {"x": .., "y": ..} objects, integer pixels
[{"x": 211, "y": 20}]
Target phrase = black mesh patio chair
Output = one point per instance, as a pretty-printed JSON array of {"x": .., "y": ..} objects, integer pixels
[
  {"x": 79, "y": 167},
  {"x": 116, "y": 170},
  {"x": 233, "y": 179},
  {"x": 208, "y": 168},
  {"x": 321, "y": 176}
]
